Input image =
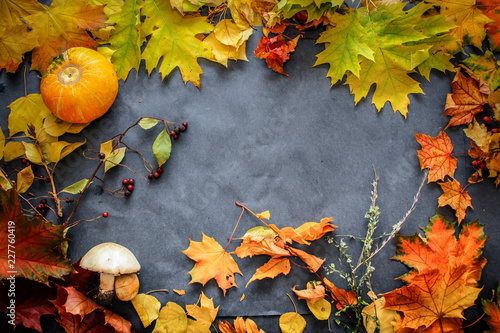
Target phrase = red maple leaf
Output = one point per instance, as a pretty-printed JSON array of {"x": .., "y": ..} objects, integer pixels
[{"x": 276, "y": 51}]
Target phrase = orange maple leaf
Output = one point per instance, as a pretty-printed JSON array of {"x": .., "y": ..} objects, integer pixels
[
  {"x": 212, "y": 262},
  {"x": 342, "y": 297},
  {"x": 455, "y": 197},
  {"x": 276, "y": 51},
  {"x": 436, "y": 155},
  {"x": 469, "y": 96},
  {"x": 240, "y": 326},
  {"x": 443, "y": 278}
]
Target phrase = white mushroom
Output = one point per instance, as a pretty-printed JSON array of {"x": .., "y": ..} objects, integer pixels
[{"x": 110, "y": 260}]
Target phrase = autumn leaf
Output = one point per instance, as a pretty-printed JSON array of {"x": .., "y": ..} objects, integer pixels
[
  {"x": 15, "y": 41},
  {"x": 376, "y": 317},
  {"x": 147, "y": 307},
  {"x": 162, "y": 147},
  {"x": 455, "y": 197},
  {"x": 443, "y": 278},
  {"x": 436, "y": 154},
  {"x": 212, "y": 262},
  {"x": 276, "y": 51},
  {"x": 342, "y": 297},
  {"x": 240, "y": 326},
  {"x": 311, "y": 294},
  {"x": 345, "y": 44},
  {"x": 63, "y": 25},
  {"x": 204, "y": 313},
  {"x": 309, "y": 231},
  {"x": 491, "y": 8},
  {"x": 491, "y": 309},
  {"x": 25, "y": 178},
  {"x": 271, "y": 269},
  {"x": 485, "y": 67},
  {"x": 292, "y": 322},
  {"x": 173, "y": 37},
  {"x": 313, "y": 263},
  {"x": 469, "y": 19},
  {"x": 258, "y": 245},
  {"x": 26, "y": 111},
  {"x": 34, "y": 241},
  {"x": 468, "y": 99},
  {"x": 172, "y": 318},
  {"x": 125, "y": 39}
]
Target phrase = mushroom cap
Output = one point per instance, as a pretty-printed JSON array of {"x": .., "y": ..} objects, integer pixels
[{"x": 110, "y": 258}]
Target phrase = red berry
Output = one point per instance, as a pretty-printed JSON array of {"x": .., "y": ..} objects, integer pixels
[
  {"x": 41, "y": 177},
  {"x": 475, "y": 163},
  {"x": 172, "y": 133},
  {"x": 182, "y": 128},
  {"x": 150, "y": 176},
  {"x": 495, "y": 130},
  {"x": 102, "y": 156},
  {"x": 156, "y": 175},
  {"x": 23, "y": 161},
  {"x": 47, "y": 180},
  {"x": 159, "y": 170},
  {"x": 177, "y": 130},
  {"x": 130, "y": 188},
  {"x": 40, "y": 206},
  {"x": 176, "y": 136},
  {"x": 27, "y": 163},
  {"x": 185, "y": 124},
  {"x": 43, "y": 201},
  {"x": 127, "y": 193},
  {"x": 482, "y": 166},
  {"x": 125, "y": 182},
  {"x": 131, "y": 181},
  {"x": 487, "y": 120},
  {"x": 105, "y": 214}
]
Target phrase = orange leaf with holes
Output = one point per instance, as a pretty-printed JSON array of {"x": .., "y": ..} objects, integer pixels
[
  {"x": 436, "y": 154},
  {"x": 444, "y": 275},
  {"x": 469, "y": 96},
  {"x": 276, "y": 51},
  {"x": 455, "y": 197},
  {"x": 212, "y": 262}
]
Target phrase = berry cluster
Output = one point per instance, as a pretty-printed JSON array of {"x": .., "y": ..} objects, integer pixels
[
  {"x": 156, "y": 174},
  {"x": 129, "y": 186},
  {"x": 479, "y": 164},
  {"x": 487, "y": 121},
  {"x": 174, "y": 134},
  {"x": 42, "y": 208}
]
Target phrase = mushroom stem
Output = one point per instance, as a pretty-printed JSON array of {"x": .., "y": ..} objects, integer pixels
[{"x": 106, "y": 287}]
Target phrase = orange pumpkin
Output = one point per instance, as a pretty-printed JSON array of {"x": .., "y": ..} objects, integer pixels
[{"x": 79, "y": 85}]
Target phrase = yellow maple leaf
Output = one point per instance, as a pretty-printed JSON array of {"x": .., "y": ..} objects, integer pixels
[
  {"x": 14, "y": 43},
  {"x": 204, "y": 313},
  {"x": 62, "y": 25},
  {"x": 455, "y": 197},
  {"x": 212, "y": 262}
]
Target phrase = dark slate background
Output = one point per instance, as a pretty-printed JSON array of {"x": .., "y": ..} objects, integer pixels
[{"x": 293, "y": 145}]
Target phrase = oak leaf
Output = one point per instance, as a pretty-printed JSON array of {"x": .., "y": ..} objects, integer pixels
[
  {"x": 455, "y": 197},
  {"x": 173, "y": 37},
  {"x": 436, "y": 154},
  {"x": 63, "y": 25},
  {"x": 276, "y": 50},
  {"x": 469, "y": 96},
  {"x": 34, "y": 243},
  {"x": 212, "y": 262}
]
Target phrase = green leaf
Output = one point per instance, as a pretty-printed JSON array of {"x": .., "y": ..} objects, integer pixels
[
  {"x": 147, "y": 123},
  {"x": 344, "y": 45},
  {"x": 60, "y": 149},
  {"x": 13, "y": 149},
  {"x": 162, "y": 147},
  {"x": 173, "y": 39},
  {"x": 27, "y": 110},
  {"x": 114, "y": 158},
  {"x": 485, "y": 66},
  {"x": 76, "y": 187},
  {"x": 25, "y": 179},
  {"x": 125, "y": 40}
]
